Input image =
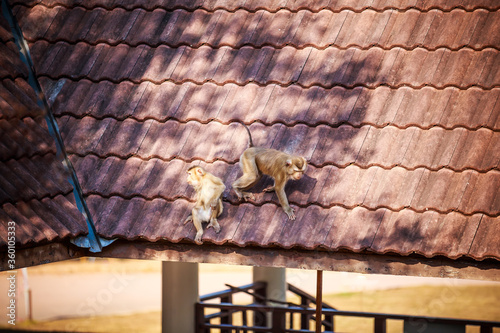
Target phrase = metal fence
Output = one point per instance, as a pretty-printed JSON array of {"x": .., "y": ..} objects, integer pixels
[{"x": 286, "y": 317}]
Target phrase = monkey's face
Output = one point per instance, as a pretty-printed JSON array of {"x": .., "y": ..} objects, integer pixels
[
  {"x": 194, "y": 176},
  {"x": 297, "y": 175},
  {"x": 296, "y": 168},
  {"x": 190, "y": 179}
]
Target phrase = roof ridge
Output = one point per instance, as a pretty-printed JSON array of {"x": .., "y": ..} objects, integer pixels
[{"x": 154, "y": 7}]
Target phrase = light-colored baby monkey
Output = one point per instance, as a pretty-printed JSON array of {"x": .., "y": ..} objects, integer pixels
[
  {"x": 208, "y": 206},
  {"x": 280, "y": 166}
]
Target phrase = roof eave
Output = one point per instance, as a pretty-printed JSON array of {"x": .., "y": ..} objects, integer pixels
[{"x": 442, "y": 267}]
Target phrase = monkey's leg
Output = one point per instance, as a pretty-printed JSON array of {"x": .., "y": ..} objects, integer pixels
[
  {"x": 250, "y": 177},
  {"x": 244, "y": 182},
  {"x": 215, "y": 224},
  {"x": 284, "y": 202},
  {"x": 198, "y": 226}
]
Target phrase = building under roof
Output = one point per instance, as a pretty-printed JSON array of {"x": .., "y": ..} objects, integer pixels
[{"x": 395, "y": 105}]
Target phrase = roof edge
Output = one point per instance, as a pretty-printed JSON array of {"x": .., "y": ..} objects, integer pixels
[
  {"x": 43, "y": 254},
  {"x": 442, "y": 267},
  {"x": 463, "y": 268}
]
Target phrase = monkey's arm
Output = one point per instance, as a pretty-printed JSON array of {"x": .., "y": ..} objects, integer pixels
[
  {"x": 213, "y": 201},
  {"x": 280, "y": 191},
  {"x": 216, "y": 207},
  {"x": 196, "y": 212}
]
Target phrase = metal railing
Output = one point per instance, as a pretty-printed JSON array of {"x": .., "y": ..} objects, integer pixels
[{"x": 290, "y": 318}]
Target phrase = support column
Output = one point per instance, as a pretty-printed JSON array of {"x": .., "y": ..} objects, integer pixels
[
  {"x": 276, "y": 281},
  {"x": 276, "y": 286},
  {"x": 179, "y": 295}
]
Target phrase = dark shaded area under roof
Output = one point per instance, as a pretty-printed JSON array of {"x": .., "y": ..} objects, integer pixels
[{"x": 395, "y": 106}]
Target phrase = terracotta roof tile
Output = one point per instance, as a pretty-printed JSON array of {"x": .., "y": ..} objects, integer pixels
[
  {"x": 11, "y": 184},
  {"x": 30, "y": 230},
  {"x": 330, "y": 106},
  {"x": 347, "y": 186},
  {"x": 389, "y": 145},
  {"x": 448, "y": 108},
  {"x": 432, "y": 148},
  {"x": 40, "y": 17},
  {"x": 17, "y": 99},
  {"x": 396, "y": 193},
  {"x": 110, "y": 209},
  {"x": 350, "y": 139},
  {"x": 306, "y": 66},
  {"x": 395, "y": 105},
  {"x": 485, "y": 244},
  {"x": 366, "y": 146},
  {"x": 387, "y": 28},
  {"x": 441, "y": 190},
  {"x": 42, "y": 221},
  {"x": 325, "y": 186},
  {"x": 449, "y": 234},
  {"x": 32, "y": 178},
  {"x": 5, "y": 33},
  {"x": 24, "y": 137},
  {"x": 309, "y": 234},
  {"x": 476, "y": 148},
  {"x": 354, "y": 230},
  {"x": 10, "y": 64},
  {"x": 486, "y": 24},
  {"x": 248, "y": 234},
  {"x": 482, "y": 194}
]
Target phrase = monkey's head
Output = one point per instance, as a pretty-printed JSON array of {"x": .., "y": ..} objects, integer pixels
[
  {"x": 295, "y": 167},
  {"x": 195, "y": 175}
]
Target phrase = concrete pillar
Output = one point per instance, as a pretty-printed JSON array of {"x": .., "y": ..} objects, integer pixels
[
  {"x": 179, "y": 295},
  {"x": 276, "y": 281},
  {"x": 276, "y": 286}
]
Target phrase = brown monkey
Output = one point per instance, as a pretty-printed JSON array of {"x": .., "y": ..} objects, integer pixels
[
  {"x": 208, "y": 204},
  {"x": 280, "y": 166}
]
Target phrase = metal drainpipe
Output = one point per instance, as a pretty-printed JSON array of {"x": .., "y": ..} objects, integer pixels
[{"x": 92, "y": 240}]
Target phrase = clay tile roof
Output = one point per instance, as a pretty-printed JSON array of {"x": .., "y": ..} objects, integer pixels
[
  {"x": 396, "y": 106},
  {"x": 34, "y": 192}
]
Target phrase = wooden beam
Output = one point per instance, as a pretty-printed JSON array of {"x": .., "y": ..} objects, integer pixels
[
  {"x": 43, "y": 254},
  {"x": 307, "y": 259},
  {"x": 461, "y": 268}
]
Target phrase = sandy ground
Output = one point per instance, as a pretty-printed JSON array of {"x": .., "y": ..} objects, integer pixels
[{"x": 119, "y": 292}]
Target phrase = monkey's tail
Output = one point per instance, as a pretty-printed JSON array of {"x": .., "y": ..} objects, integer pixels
[{"x": 249, "y": 135}]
